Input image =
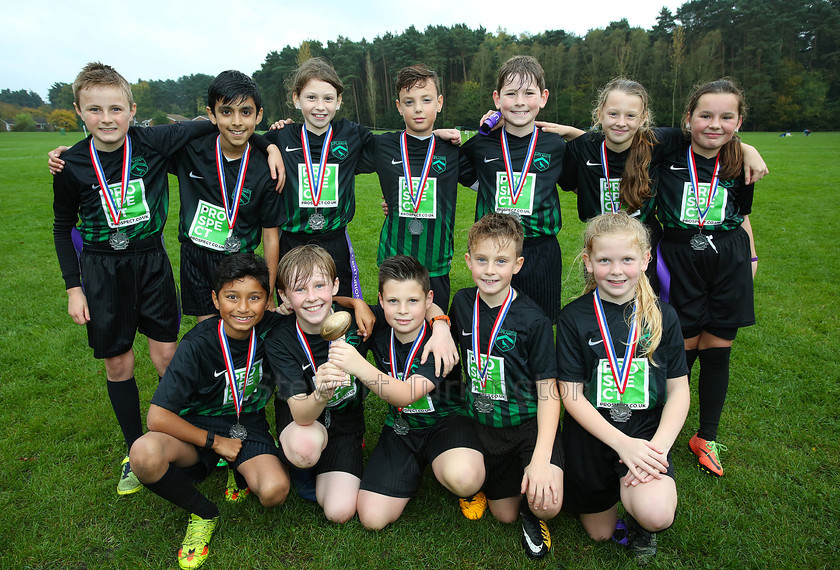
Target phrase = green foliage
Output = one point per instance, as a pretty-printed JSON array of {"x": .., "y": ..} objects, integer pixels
[
  {"x": 160, "y": 118},
  {"x": 783, "y": 53},
  {"x": 185, "y": 96},
  {"x": 371, "y": 89},
  {"x": 24, "y": 123},
  {"x": 271, "y": 78},
  {"x": 469, "y": 101},
  {"x": 776, "y": 506},
  {"x": 141, "y": 91},
  {"x": 8, "y": 111},
  {"x": 21, "y": 97},
  {"x": 61, "y": 96}
]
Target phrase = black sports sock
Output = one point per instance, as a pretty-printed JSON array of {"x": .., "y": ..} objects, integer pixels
[
  {"x": 176, "y": 488},
  {"x": 524, "y": 508},
  {"x": 238, "y": 477},
  {"x": 714, "y": 381},
  {"x": 690, "y": 357},
  {"x": 125, "y": 400}
]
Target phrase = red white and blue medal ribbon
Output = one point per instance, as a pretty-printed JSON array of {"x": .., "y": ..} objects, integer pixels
[
  {"x": 532, "y": 147},
  {"x": 695, "y": 185},
  {"x": 605, "y": 167},
  {"x": 113, "y": 210},
  {"x": 621, "y": 374},
  {"x": 412, "y": 354},
  {"x": 494, "y": 332},
  {"x": 427, "y": 165},
  {"x": 316, "y": 186},
  {"x": 231, "y": 210},
  {"x": 304, "y": 344},
  {"x": 238, "y": 396}
]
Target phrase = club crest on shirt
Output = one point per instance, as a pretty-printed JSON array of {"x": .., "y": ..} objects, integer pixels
[
  {"x": 339, "y": 149},
  {"x": 246, "y": 196},
  {"x": 541, "y": 161},
  {"x": 439, "y": 163},
  {"x": 726, "y": 183},
  {"x": 506, "y": 340},
  {"x": 139, "y": 166}
]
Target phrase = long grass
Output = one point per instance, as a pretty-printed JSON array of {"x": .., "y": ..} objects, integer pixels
[{"x": 778, "y": 504}]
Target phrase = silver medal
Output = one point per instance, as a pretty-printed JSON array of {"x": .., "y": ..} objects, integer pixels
[
  {"x": 238, "y": 431},
  {"x": 698, "y": 242},
  {"x": 400, "y": 426},
  {"x": 516, "y": 215},
  {"x": 415, "y": 227},
  {"x": 483, "y": 404},
  {"x": 118, "y": 240},
  {"x": 232, "y": 244},
  {"x": 620, "y": 412},
  {"x": 327, "y": 418},
  {"x": 317, "y": 221}
]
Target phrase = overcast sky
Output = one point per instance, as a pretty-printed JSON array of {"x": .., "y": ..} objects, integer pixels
[{"x": 47, "y": 42}]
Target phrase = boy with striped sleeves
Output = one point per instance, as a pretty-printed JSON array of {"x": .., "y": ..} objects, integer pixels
[{"x": 419, "y": 174}]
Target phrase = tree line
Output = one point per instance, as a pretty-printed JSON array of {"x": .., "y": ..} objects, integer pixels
[{"x": 785, "y": 54}]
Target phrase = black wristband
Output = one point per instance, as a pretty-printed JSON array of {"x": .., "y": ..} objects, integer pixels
[{"x": 211, "y": 437}]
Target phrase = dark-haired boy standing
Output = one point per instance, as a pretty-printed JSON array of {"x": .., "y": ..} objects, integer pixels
[{"x": 227, "y": 194}]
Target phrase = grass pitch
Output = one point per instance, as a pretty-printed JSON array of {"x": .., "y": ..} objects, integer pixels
[{"x": 777, "y": 505}]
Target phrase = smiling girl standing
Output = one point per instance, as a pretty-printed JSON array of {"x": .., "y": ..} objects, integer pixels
[
  {"x": 609, "y": 166},
  {"x": 321, "y": 157},
  {"x": 708, "y": 249},
  {"x": 612, "y": 167}
]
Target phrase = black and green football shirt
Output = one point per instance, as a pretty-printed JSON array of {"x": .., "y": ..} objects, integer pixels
[
  {"x": 337, "y": 202},
  {"x": 444, "y": 400},
  {"x": 582, "y": 171},
  {"x": 538, "y": 206},
  {"x": 582, "y": 357},
  {"x": 77, "y": 197},
  {"x": 294, "y": 371},
  {"x": 196, "y": 381},
  {"x": 433, "y": 247},
  {"x": 202, "y": 218},
  {"x": 675, "y": 200},
  {"x": 522, "y": 355}
]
